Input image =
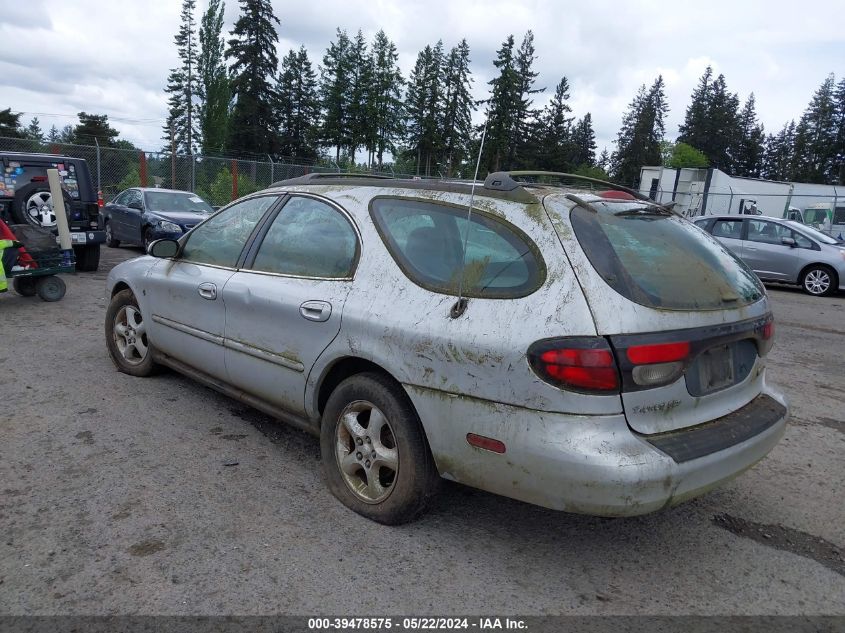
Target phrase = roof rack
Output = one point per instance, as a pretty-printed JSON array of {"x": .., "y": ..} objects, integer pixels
[
  {"x": 506, "y": 181},
  {"x": 319, "y": 175}
]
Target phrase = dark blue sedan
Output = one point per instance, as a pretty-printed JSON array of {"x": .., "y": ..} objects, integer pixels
[{"x": 142, "y": 215}]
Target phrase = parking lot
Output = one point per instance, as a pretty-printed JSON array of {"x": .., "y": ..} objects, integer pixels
[{"x": 158, "y": 496}]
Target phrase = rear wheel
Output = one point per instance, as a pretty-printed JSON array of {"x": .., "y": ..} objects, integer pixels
[
  {"x": 819, "y": 281},
  {"x": 126, "y": 336},
  {"x": 375, "y": 456},
  {"x": 87, "y": 257},
  {"x": 24, "y": 286},
  {"x": 50, "y": 288}
]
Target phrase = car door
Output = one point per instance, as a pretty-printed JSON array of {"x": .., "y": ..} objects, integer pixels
[
  {"x": 284, "y": 307},
  {"x": 132, "y": 216},
  {"x": 184, "y": 294},
  {"x": 115, "y": 212},
  {"x": 765, "y": 253},
  {"x": 729, "y": 232}
]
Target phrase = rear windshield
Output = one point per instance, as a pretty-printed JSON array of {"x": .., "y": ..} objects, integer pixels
[
  {"x": 427, "y": 241},
  {"x": 173, "y": 201},
  {"x": 662, "y": 261}
]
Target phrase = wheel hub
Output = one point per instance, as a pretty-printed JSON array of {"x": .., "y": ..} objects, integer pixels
[{"x": 366, "y": 452}]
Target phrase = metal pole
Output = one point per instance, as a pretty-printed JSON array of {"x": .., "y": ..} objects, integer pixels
[
  {"x": 172, "y": 158},
  {"x": 193, "y": 173},
  {"x": 272, "y": 170},
  {"x": 99, "y": 187}
]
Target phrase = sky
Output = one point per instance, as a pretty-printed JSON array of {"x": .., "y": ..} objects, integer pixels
[{"x": 113, "y": 57}]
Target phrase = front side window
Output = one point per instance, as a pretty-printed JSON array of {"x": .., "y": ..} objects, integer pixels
[
  {"x": 427, "y": 241},
  {"x": 308, "y": 238},
  {"x": 121, "y": 198},
  {"x": 767, "y": 232},
  {"x": 658, "y": 260},
  {"x": 220, "y": 239}
]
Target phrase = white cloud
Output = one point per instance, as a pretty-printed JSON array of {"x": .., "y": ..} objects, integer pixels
[{"x": 114, "y": 57}]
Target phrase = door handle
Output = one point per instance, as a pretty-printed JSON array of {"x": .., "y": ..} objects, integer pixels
[
  {"x": 316, "y": 310},
  {"x": 207, "y": 290}
]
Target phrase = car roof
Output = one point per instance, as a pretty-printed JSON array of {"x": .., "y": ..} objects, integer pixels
[
  {"x": 36, "y": 156},
  {"x": 514, "y": 186}
]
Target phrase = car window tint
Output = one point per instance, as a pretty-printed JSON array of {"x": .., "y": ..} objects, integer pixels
[
  {"x": 426, "y": 240},
  {"x": 728, "y": 228},
  {"x": 121, "y": 198},
  {"x": 767, "y": 232},
  {"x": 133, "y": 195},
  {"x": 310, "y": 239},
  {"x": 220, "y": 239}
]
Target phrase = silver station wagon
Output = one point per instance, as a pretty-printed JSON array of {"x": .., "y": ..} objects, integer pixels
[{"x": 554, "y": 339}]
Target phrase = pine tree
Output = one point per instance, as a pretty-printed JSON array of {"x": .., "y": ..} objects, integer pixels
[
  {"x": 10, "y": 124},
  {"x": 815, "y": 155},
  {"x": 711, "y": 124},
  {"x": 181, "y": 125},
  {"x": 213, "y": 82},
  {"x": 603, "y": 161},
  {"x": 554, "y": 149},
  {"x": 505, "y": 93},
  {"x": 33, "y": 131},
  {"x": 458, "y": 106},
  {"x": 94, "y": 128},
  {"x": 422, "y": 106},
  {"x": 584, "y": 143},
  {"x": 748, "y": 156},
  {"x": 54, "y": 136},
  {"x": 524, "y": 118},
  {"x": 298, "y": 106},
  {"x": 360, "y": 76},
  {"x": 252, "y": 51},
  {"x": 335, "y": 84},
  {"x": 384, "y": 106},
  {"x": 837, "y": 173},
  {"x": 778, "y": 154},
  {"x": 639, "y": 139}
]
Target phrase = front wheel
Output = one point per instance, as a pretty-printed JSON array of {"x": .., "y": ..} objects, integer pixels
[
  {"x": 819, "y": 281},
  {"x": 376, "y": 459},
  {"x": 126, "y": 336},
  {"x": 148, "y": 239},
  {"x": 110, "y": 241},
  {"x": 87, "y": 257}
]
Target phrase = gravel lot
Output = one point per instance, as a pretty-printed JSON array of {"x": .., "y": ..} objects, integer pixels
[{"x": 115, "y": 500}]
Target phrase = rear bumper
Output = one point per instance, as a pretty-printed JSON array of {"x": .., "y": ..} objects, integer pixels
[
  {"x": 84, "y": 238},
  {"x": 587, "y": 464}
]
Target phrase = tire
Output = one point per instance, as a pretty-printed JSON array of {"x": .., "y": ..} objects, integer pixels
[
  {"x": 126, "y": 337},
  {"x": 29, "y": 199},
  {"x": 148, "y": 239},
  {"x": 110, "y": 241},
  {"x": 50, "y": 288},
  {"x": 392, "y": 480},
  {"x": 87, "y": 258},
  {"x": 24, "y": 286},
  {"x": 819, "y": 281}
]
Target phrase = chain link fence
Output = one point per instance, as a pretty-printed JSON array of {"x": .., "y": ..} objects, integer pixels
[{"x": 218, "y": 180}]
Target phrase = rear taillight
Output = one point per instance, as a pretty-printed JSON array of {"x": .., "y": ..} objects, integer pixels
[
  {"x": 658, "y": 363},
  {"x": 767, "y": 337},
  {"x": 583, "y": 364}
]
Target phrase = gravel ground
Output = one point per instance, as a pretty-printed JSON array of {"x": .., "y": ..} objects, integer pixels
[{"x": 116, "y": 500}]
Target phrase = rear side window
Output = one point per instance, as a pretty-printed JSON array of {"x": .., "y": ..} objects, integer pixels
[
  {"x": 427, "y": 240},
  {"x": 728, "y": 228},
  {"x": 660, "y": 260}
]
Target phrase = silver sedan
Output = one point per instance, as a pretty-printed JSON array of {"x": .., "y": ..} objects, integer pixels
[{"x": 782, "y": 250}]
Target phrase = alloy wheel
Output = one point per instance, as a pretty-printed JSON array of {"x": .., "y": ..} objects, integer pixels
[
  {"x": 817, "y": 281},
  {"x": 39, "y": 209},
  {"x": 130, "y": 335},
  {"x": 365, "y": 449}
]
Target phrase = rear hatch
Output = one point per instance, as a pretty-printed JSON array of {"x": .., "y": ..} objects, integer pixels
[{"x": 689, "y": 323}]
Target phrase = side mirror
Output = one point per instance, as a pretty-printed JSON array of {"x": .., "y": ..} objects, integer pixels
[
  {"x": 788, "y": 241},
  {"x": 136, "y": 205},
  {"x": 164, "y": 248}
]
